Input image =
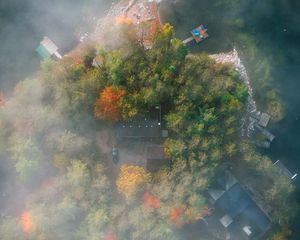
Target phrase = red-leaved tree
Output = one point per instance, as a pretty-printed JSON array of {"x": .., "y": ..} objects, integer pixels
[
  {"x": 110, "y": 236},
  {"x": 26, "y": 222},
  {"x": 109, "y": 104},
  {"x": 177, "y": 213},
  {"x": 151, "y": 201}
]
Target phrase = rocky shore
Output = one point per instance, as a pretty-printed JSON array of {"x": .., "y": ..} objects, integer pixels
[{"x": 233, "y": 58}]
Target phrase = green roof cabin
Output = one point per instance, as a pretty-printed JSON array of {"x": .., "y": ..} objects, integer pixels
[{"x": 47, "y": 49}]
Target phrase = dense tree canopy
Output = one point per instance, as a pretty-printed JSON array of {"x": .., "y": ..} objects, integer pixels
[{"x": 49, "y": 129}]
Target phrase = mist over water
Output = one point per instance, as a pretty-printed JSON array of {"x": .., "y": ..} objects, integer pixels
[
  {"x": 272, "y": 23},
  {"x": 24, "y": 23}
]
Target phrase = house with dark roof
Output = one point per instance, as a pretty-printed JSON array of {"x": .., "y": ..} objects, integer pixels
[
  {"x": 156, "y": 158},
  {"x": 139, "y": 128},
  {"x": 237, "y": 211}
]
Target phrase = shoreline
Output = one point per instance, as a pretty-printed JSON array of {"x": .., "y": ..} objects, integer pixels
[
  {"x": 233, "y": 58},
  {"x": 121, "y": 9}
]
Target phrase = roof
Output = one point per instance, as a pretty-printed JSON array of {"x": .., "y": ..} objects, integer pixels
[
  {"x": 237, "y": 208},
  {"x": 139, "y": 129},
  {"x": 215, "y": 193},
  {"x": 156, "y": 158},
  {"x": 226, "y": 220},
  {"x": 156, "y": 152},
  {"x": 43, "y": 52},
  {"x": 97, "y": 61},
  {"x": 199, "y": 33},
  {"x": 49, "y": 45},
  {"x": 264, "y": 119},
  {"x": 234, "y": 201},
  {"x": 226, "y": 180}
]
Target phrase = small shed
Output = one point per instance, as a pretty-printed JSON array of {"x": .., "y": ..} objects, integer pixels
[
  {"x": 226, "y": 220},
  {"x": 264, "y": 119},
  {"x": 43, "y": 52},
  {"x": 97, "y": 61}
]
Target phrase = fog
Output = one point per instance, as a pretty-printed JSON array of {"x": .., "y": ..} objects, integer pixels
[{"x": 24, "y": 23}]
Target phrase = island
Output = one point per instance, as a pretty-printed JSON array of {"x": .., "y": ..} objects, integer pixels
[{"x": 130, "y": 136}]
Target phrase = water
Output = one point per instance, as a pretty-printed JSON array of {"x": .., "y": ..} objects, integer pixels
[
  {"x": 24, "y": 23},
  {"x": 265, "y": 31}
]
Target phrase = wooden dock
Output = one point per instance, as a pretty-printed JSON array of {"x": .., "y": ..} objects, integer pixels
[
  {"x": 283, "y": 170},
  {"x": 188, "y": 40},
  {"x": 262, "y": 118},
  {"x": 265, "y": 132}
]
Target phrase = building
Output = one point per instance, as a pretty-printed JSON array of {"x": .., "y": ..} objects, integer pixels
[
  {"x": 156, "y": 158},
  {"x": 261, "y": 118},
  {"x": 140, "y": 128},
  {"x": 237, "y": 211},
  {"x": 97, "y": 61},
  {"x": 47, "y": 49}
]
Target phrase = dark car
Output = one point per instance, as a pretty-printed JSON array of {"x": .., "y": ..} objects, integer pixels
[{"x": 115, "y": 155}]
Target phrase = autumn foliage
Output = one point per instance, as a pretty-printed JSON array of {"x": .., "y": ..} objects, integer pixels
[
  {"x": 110, "y": 236},
  {"x": 131, "y": 180},
  {"x": 193, "y": 215},
  {"x": 2, "y": 99},
  {"x": 109, "y": 104},
  {"x": 176, "y": 214},
  {"x": 183, "y": 215},
  {"x": 151, "y": 200},
  {"x": 124, "y": 20},
  {"x": 26, "y": 222}
]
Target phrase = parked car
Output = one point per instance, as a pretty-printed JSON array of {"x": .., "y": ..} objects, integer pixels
[{"x": 115, "y": 155}]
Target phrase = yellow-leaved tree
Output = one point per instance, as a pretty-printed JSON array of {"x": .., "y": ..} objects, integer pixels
[{"x": 132, "y": 181}]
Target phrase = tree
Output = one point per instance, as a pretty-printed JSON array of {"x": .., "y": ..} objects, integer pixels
[
  {"x": 27, "y": 223},
  {"x": 132, "y": 181},
  {"x": 109, "y": 104},
  {"x": 2, "y": 99},
  {"x": 10, "y": 228},
  {"x": 284, "y": 234},
  {"x": 28, "y": 158},
  {"x": 151, "y": 201}
]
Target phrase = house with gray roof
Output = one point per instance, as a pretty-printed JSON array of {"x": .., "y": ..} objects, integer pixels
[{"x": 238, "y": 213}]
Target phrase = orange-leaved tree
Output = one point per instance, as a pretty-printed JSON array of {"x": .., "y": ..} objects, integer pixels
[
  {"x": 109, "y": 104},
  {"x": 177, "y": 215},
  {"x": 2, "y": 99},
  {"x": 151, "y": 200},
  {"x": 110, "y": 236},
  {"x": 132, "y": 180},
  {"x": 27, "y": 224}
]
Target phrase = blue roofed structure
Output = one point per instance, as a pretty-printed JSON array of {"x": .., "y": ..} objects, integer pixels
[{"x": 238, "y": 212}]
